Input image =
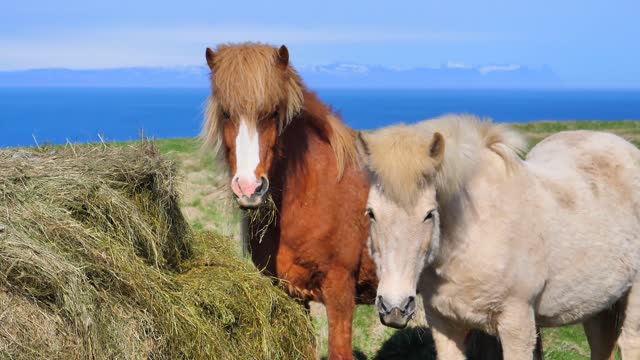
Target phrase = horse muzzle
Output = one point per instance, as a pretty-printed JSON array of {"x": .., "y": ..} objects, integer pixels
[
  {"x": 249, "y": 202},
  {"x": 256, "y": 199},
  {"x": 394, "y": 319},
  {"x": 398, "y": 316}
]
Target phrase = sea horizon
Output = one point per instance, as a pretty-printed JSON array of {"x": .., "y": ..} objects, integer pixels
[{"x": 79, "y": 114}]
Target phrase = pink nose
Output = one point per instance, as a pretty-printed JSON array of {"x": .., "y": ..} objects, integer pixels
[{"x": 244, "y": 186}]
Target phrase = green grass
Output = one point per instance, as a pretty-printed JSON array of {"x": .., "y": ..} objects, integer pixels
[
  {"x": 205, "y": 196},
  {"x": 538, "y": 130},
  {"x": 538, "y": 127},
  {"x": 203, "y": 175},
  {"x": 565, "y": 343},
  {"x": 178, "y": 145}
]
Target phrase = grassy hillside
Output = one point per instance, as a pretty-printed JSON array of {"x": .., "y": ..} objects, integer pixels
[{"x": 207, "y": 205}]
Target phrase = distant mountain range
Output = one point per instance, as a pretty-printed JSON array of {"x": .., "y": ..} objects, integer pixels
[
  {"x": 190, "y": 76},
  {"x": 451, "y": 75}
]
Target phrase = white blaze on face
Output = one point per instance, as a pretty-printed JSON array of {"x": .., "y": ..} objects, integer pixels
[{"x": 247, "y": 159}]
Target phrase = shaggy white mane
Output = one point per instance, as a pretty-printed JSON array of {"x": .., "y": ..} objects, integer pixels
[{"x": 398, "y": 157}]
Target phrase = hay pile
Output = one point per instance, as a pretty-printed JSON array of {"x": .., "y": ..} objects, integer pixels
[{"x": 96, "y": 261}]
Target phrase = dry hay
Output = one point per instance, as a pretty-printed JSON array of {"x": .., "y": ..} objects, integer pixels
[
  {"x": 261, "y": 219},
  {"x": 97, "y": 261}
]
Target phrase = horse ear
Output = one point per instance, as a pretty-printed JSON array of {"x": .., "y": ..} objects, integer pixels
[
  {"x": 283, "y": 56},
  {"x": 436, "y": 149},
  {"x": 362, "y": 148},
  {"x": 211, "y": 56}
]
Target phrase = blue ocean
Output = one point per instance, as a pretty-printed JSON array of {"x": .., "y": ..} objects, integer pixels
[{"x": 58, "y": 115}]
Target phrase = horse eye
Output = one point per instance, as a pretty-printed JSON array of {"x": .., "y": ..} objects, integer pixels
[
  {"x": 226, "y": 115},
  {"x": 369, "y": 213},
  {"x": 429, "y": 216}
]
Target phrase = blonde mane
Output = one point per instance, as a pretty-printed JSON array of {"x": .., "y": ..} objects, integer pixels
[
  {"x": 248, "y": 79},
  {"x": 398, "y": 156},
  {"x": 342, "y": 142}
]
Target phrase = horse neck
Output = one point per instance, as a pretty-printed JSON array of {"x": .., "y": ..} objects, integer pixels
[
  {"x": 302, "y": 142},
  {"x": 488, "y": 188}
]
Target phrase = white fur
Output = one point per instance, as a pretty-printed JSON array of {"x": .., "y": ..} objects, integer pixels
[
  {"x": 401, "y": 245},
  {"x": 247, "y": 151},
  {"x": 554, "y": 241}
]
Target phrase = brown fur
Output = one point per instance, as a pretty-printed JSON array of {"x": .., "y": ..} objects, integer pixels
[
  {"x": 317, "y": 243},
  {"x": 245, "y": 79}
]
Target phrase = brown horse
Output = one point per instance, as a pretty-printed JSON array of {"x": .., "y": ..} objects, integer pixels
[
  {"x": 285, "y": 149},
  {"x": 279, "y": 139}
]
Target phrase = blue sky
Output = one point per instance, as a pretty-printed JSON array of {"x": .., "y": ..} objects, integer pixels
[{"x": 587, "y": 43}]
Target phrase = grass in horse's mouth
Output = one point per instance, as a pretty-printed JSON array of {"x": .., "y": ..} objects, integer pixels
[{"x": 261, "y": 218}]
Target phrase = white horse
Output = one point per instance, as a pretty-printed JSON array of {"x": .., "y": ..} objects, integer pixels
[{"x": 500, "y": 244}]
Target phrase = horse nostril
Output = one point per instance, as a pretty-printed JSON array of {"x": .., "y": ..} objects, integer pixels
[
  {"x": 409, "y": 305},
  {"x": 263, "y": 187},
  {"x": 381, "y": 306}
]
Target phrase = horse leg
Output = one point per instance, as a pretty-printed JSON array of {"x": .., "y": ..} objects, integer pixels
[
  {"x": 480, "y": 346},
  {"x": 448, "y": 338},
  {"x": 602, "y": 332},
  {"x": 517, "y": 331},
  {"x": 629, "y": 341},
  {"x": 338, "y": 294}
]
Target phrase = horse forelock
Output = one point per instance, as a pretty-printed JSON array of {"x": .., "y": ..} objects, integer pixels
[
  {"x": 398, "y": 156},
  {"x": 247, "y": 80},
  {"x": 398, "y": 162}
]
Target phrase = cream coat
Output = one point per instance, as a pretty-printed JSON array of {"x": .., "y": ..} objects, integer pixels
[{"x": 552, "y": 240}]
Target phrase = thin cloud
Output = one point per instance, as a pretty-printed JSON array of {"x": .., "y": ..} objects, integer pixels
[{"x": 107, "y": 47}]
